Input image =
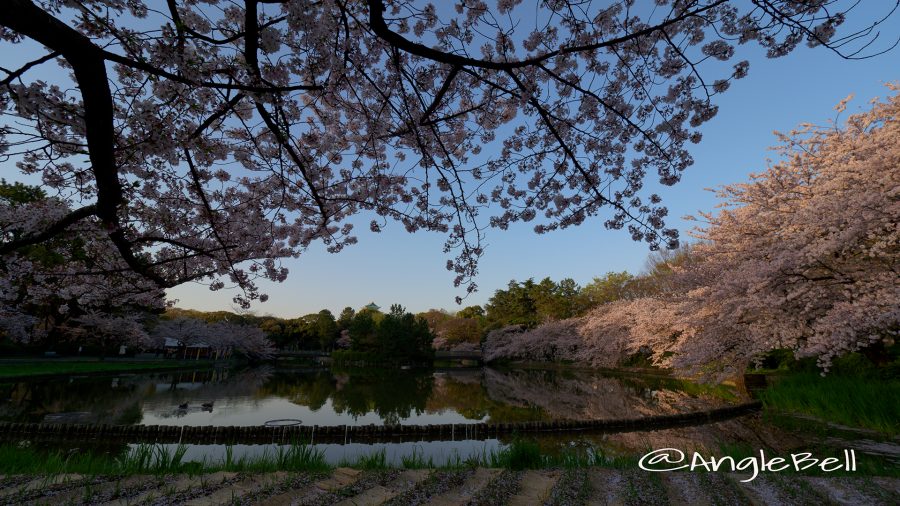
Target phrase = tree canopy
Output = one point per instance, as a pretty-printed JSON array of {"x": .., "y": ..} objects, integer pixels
[
  {"x": 207, "y": 140},
  {"x": 397, "y": 336}
]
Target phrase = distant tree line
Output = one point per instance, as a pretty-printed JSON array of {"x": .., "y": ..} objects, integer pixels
[
  {"x": 531, "y": 303},
  {"x": 526, "y": 303},
  {"x": 367, "y": 334}
]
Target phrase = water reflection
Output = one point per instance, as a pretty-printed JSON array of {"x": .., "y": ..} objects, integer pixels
[
  {"x": 317, "y": 396},
  {"x": 352, "y": 397},
  {"x": 393, "y": 396}
]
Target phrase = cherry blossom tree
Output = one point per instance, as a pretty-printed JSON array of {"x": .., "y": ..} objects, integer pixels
[
  {"x": 106, "y": 329},
  {"x": 211, "y": 139},
  {"x": 223, "y": 338},
  {"x": 605, "y": 337},
  {"x": 57, "y": 289},
  {"x": 806, "y": 255},
  {"x": 344, "y": 342}
]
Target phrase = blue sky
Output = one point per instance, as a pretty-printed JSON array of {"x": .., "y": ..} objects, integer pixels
[{"x": 395, "y": 266}]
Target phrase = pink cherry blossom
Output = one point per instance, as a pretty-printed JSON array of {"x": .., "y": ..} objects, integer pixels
[
  {"x": 804, "y": 256},
  {"x": 211, "y": 139}
]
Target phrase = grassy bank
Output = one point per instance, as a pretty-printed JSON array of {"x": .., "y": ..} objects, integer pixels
[
  {"x": 859, "y": 391},
  {"x": 856, "y": 401},
  {"x": 17, "y": 368}
]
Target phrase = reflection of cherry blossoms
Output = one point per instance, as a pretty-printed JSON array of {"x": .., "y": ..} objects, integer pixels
[
  {"x": 223, "y": 338},
  {"x": 590, "y": 396}
]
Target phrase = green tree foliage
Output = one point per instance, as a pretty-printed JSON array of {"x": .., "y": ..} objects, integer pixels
[
  {"x": 556, "y": 301},
  {"x": 362, "y": 332},
  {"x": 529, "y": 303},
  {"x": 344, "y": 319},
  {"x": 461, "y": 330},
  {"x": 327, "y": 329},
  {"x": 435, "y": 318},
  {"x": 471, "y": 312},
  {"x": 18, "y": 193},
  {"x": 513, "y": 306},
  {"x": 399, "y": 336},
  {"x": 449, "y": 330},
  {"x": 610, "y": 287},
  {"x": 404, "y": 335}
]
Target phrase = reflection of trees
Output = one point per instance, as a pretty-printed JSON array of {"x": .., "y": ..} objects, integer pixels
[
  {"x": 392, "y": 394},
  {"x": 310, "y": 389},
  {"x": 585, "y": 395},
  {"x": 708, "y": 439},
  {"x": 495, "y": 395},
  {"x": 120, "y": 399},
  {"x": 465, "y": 393},
  {"x": 85, "y": 400},
  {"x": 196, "y": 387}
]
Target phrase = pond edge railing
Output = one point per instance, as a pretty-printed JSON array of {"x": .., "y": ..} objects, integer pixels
[{"x": 311, "y": 434}]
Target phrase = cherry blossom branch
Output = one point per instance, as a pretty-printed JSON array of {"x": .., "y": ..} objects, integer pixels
[
  {"x": 380, "y": 28},
  {"x": 49, "y": 232}
]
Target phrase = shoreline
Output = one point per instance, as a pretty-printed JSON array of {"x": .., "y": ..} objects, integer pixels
[{"x": 47, "y": 368}]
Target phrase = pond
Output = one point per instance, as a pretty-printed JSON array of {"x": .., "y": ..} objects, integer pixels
[{"x": 332, "y": 397}]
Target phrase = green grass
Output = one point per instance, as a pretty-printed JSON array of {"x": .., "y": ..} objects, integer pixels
[
  {"x": 143, "y": 459},
  {"x": 286, "y": 458},
  {"x": 371, "y": 462},
  {"x": 156, "y": 460},
  {"x": 523, "y": 454},
  {"x": 159, "y": 460},
  {"x": 416, "y": 460},
  {"x": 50, "y": 367},
  {"x": 863, "y": 402},
  {"x": 519, "y": 455}
]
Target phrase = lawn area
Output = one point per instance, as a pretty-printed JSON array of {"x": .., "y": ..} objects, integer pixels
[{"x": 13, "y": 369}]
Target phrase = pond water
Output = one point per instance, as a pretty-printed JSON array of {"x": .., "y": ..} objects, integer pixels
[
  {"x": 319, "y": 396},
  {"x": 346, "y": 397}
]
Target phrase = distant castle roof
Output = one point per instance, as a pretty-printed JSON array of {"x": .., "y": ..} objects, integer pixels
[{"x": 372, "y": 306}]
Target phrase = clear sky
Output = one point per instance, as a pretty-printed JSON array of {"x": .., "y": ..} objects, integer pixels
[{"x": 397, "y": 267}]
